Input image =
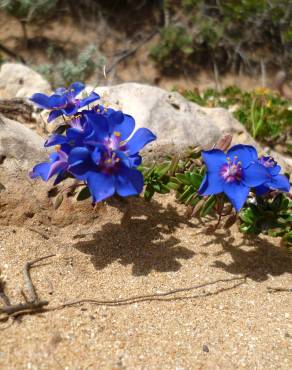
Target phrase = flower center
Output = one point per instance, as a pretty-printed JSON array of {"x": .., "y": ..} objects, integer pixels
[
  {"x": 109, "y": 158},
  {"x": 267, "y": 162},
  {"x": 76, "y": 123},
  {"x": 232, "y": 170},
  {"x": 113, "y": 142}
]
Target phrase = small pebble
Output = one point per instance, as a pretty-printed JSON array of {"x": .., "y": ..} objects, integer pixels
[{"x": 205, "y": 348}]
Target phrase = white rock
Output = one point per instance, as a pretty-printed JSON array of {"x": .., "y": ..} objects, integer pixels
[
  {"x": 177, "y": 122},
  {"x": 18, "y": 80},
  {"x": 20, "y": 147}
]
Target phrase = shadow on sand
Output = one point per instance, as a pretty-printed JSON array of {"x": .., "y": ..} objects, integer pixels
[
  {"x": 253, "y": 256},
  {"x": 143, "y": 239}
]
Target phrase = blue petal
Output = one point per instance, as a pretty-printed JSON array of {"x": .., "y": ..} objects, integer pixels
[
  {"x": 279, "y": 182},
  {"x": 140, "y": 138},
  {"x": 255, "y": 175},
  {"x": 54, "y": 157},
  {"x": 236, "y": 193},
  {"x": 57, "y": 167},
  {"x": 40, "y": 170},
  {"x": 76, "y": 137},
  {"x": 246, "y": 154},
  {"x": 101, "y": 186},
  {"x": 54, "y": 114},
  {"x": 66, "y": 148},
  {"x": 56, "y": 140},
  {"x": 135, "y": 160},
  {"x": 214, "y": 159},
  {"x": 76, "y": 88},
  {"x": 77, "y": 155},
  {"x": 48, "y": 102},
  {"x": 126, "y": 127},
  {"x": 57, "y": 101},
  {"x": 212, "y": 184},
  {"x": 100, "y": 126},
  {"x": 41, "y": 100},
  {"x": 124, "y": 158},
  {"x": 129, "y": 182},
  {"x": 114, "y": 118},
  {"x": 261, "y": 189},
  {"x": 89, "y": 99},
  {"x": 274, "y": 170},
  {"x": 96, "y": 155},
  {"x": 81, "y": 170},
  {"x": 70, "y": 109}
]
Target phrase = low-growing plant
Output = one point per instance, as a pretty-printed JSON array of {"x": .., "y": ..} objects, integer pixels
[
  {"x": 261, "y": 211},
  {"x": 96, "y": 146},
  {"x": 226, "y": 34},
  {"x": 67, "y": 71},
  {"x": 174, "y": 49}
]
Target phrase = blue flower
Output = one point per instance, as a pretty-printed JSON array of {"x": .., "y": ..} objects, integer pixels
[
  {"x": 64, "y": 101},
  {"x": 276, "y": 181},
  {"x": 79, "y": 129},
  {"x": 57, "y": 165},
  {"x": 233, "y": 173},
  {"x": 108, "y": 163}
]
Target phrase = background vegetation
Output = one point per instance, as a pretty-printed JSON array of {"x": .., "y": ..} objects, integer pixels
[
  {"x": 241, "y": 36},
  {"x": 222, "y": 35}
]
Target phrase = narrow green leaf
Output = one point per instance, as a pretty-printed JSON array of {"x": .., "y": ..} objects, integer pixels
[
  {"x": 83, "y": 194},
  {"x": 58, "y": 201},
  {"x": 208, "y": 206}
]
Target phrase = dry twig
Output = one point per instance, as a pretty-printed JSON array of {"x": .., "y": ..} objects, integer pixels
[
  {"x": 278, "y": 289},
  {"x": 132, "y": 51},
  {"x": 32, "y": 305}
]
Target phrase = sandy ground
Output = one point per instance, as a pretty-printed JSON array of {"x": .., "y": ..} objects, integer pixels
[{"x": 230, "y": 323}]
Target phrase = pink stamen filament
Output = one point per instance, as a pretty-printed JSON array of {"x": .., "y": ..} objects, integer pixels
[{"x": 231, "y": 171}]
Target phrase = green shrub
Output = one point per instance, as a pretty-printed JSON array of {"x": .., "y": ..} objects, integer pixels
[
  {"x": 227, "y": 33},
  {"x": 266, "y": 115},
  {"x": 174, "y": 49},
  {"x": 67, "y": 71}
]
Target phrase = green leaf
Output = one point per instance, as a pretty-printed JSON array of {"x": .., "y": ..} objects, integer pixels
[
  {"x": 196, "y": 179},
  {"x": 173, "y": 166},
  {"x": 172, "y": 185},
  {"x": 61, "y": 129},
  {"x": 156, "y": 187},
  {"x": 149, "y": 192},
  {"x": 277, "y": 202},
  {"x": 198, "y": 206},
  {"x": 247, "y": 216},
  {"x": 208, "y": 206},
  {"x": 187, "y": 192},
  {"x": 183, "y": 178},
  {"x": 58, "y": 201}
]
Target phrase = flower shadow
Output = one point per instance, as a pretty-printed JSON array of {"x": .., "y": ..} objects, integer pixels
[
  {"x": 143, "y": 239},
  {"x": 254, "y": 256}
]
